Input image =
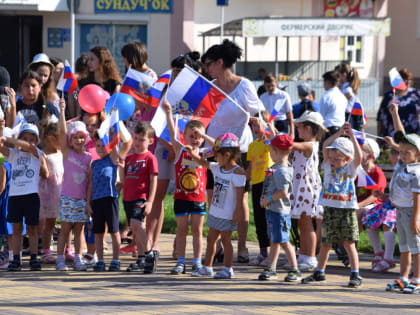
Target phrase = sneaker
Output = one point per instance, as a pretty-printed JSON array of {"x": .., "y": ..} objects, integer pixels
[
  {"x": 203, "y": 272},
  {"x": 149, "y": 263},
  {"x": 99, "y": 266},
  {"x": 196, "y": 267},
  {"x": 317, "y": 276},
  {"x": 224, "y": 274},
  {"x": 35, "y": 264},
  {"x": 308, "y": 265},
  {"x": 79, "y": 266},
  {"x": 89, "y": 260},
  {"x": 397, "y": 286},
  {"x": 412, "y": 288},
  {"x": 69, "y": 257},
  {"x": 355, "y": 281},
  {"x": 384, "y": 265},
  {"x": 268, "y": 274},
  {"x": 61, "y": 266},
  {"x": 14, "y": 266},
  {"x": 293, "y": 276},
  {"x": 257, "y": 260},
  {"x": 178, "y": 269},
  {"x": 48, "y": 258},
  {"x": 114, "y": 266}
]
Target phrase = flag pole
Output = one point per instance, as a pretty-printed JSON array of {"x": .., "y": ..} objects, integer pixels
[
  {"x": 217, "y": 88},
  {"x": 369, "y": 134},
  {"x": 393, "y": 95}
]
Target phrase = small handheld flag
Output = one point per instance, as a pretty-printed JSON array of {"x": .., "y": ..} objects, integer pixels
[
  {"x": 358, "y": 110},
  {"x": 364, "y": 180},
  {"x": 68, "y": 81},
  {"x": 109, "y": 132},
  {"x": 360, "y": 136},
  {"x": 276, "y": 108},
  {"x": 396, "y": 81}
]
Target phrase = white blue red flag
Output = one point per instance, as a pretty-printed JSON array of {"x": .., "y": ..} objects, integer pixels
[
  {"x": 364, "y": 180},
  {"x": 396, "y": 81},
  {"x": 140, "y": 87},
  {"x": 360, "y": 136},
  {"x": 358, "y": 110},
  {"x": 276, "y": 108},
  {"x": 109, "y": 131},
  {"x": 192, "y": 97},
  {"x": 68, "y": 81}
]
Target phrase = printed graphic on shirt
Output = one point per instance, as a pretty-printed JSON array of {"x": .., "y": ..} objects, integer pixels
[
  {"x": 338, "y": 187},
  {"x": 133, "y": 167},
  {"x": 22, "y": 169},
  {"x": 30, "y": 115},
  {"x": 220, "y": 191}
]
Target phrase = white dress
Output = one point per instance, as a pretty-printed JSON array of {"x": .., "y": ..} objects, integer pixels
[{"x": 306, "y": 184}]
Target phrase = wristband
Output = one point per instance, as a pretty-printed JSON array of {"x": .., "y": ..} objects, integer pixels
[{"x": 270, "y": 198}]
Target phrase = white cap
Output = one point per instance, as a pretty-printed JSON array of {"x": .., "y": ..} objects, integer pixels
[
  {"x": 31, "y": 128},
  {"x": 42, "y": 58},
  {"x": 313, "y": 117},
  {"x": 344, "y": 145},
  {"x": 414, "y": 140},
  {"x": 374, "y": 147}
]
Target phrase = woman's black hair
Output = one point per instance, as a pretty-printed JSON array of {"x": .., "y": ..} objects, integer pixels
[
  {"x": 306, "y": 106},
  {"x": 228, "y": 51},
  {"x": 55, "y": 61},
  {"x": 331, "y": 76},
  {"x": 30, "y": 74},
  {"x": 82, "y": 63},
  {"x": 191, "y": 59}
]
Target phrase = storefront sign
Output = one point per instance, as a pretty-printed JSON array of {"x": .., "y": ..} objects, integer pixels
[
  {"x": 133, "y": 6},
  {"x": 56, "y": 37},
  {"x": 350, "y": 8},
  {"x": 315, "y": 27}
]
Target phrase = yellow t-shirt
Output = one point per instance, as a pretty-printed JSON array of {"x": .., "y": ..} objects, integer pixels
[{"x": 259, "y": 157}]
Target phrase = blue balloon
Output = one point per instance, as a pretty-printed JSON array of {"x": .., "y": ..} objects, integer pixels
[{"x": 123, "y": 102}]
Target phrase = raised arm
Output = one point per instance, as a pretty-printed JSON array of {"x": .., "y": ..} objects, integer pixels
[
  {"x": 357, "y": 150},
  {"x": 171, "y": 127},
  {"x": 196, "y": 157},
  {"x": 63, "y": 129},
  {"x": 11, "y": 110},
  {"x": 23, "y": 145},
  {"x": 329, "y": 141},
  {"x": 398, "y": 126},
  {"x": 291, "y": 124},
  {"x": 3, "y": 149}
]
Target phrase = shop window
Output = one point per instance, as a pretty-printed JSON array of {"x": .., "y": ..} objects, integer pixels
[
  {"x": 111, "y": 36},
  {"x": 351, "y": 49}
]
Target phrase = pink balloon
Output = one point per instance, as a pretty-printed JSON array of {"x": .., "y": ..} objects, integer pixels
[{"x": 92, "y": 98}]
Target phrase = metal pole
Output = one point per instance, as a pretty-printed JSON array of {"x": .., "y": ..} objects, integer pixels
[
  {"x": 222, "y": 23},
  {"x": 72, "y": 35},
  {"x": 276, "y": 58}
]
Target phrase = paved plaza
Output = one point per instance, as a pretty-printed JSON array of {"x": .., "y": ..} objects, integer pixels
[{"x": 52, "y": 292}]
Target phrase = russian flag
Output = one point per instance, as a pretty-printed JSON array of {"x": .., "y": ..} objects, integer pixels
[
  {"x": 359, "y": 111},
  {"x": 68, "y": 81},
  {"x": 109, "y": 131},
  {"x": 364, "y": 180},
  {"x": 140, "y": 86},
  {"x": 165, "y": 78},
  {"x": 192, "y": 97},
  {"x": 360, "y": 136},
  {"x": 276, "y": 108},
  {"x": 396, "y": 81}
]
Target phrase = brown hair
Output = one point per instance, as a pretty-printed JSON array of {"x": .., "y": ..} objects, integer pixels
[
  {"x": 351, "y": 74},
  {"x": 144, "y": 128},
  {"x": 136, "y": 54},
  {"x": 406, "y": 76},
  {"x": 107, "y": 66},
  {"x": 194, "y": 124},
  {"x": 270, "y": 78},
  {"x": 235, "y": 153},
  {"x": 96, "y": 136},
  {"x": 49, "y": 87},
  {"x": 317, "y": 130}
]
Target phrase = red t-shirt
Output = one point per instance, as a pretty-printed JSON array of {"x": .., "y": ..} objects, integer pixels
[
  {"x": 137, "y": 171},
  {"x": 190, "y": 179},
  {"x": 378, "y": 176}
]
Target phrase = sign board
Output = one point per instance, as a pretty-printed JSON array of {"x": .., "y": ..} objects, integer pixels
[
  {"x": 133, "y": 6},
  {"x": 346, "y": 8},
  {"x": 222, "y": 2},
  {"x": 315, "y": 27},
  {"x": 57, "y": 36}
]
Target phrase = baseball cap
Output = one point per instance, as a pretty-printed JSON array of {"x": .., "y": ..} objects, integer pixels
[
  {"x": 344, "y": 145},
  {"x": 282, "y": 141},
  {"x": 41, "y": 58},
  {"x": 75, "y": 127},
  {"x": 226, "y": 140},
  {"x": 412, "y": 138},
  {"x": 31, "y": 128},
  {"x": 304, "y": 89},
  {"x": 313, "y": 117},
  {"x": 374, "y": 147}
]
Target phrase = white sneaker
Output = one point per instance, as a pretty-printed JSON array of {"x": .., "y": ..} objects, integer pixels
[
  {"x": 89, "y": 260},
  {"x": 79, "y": 266},
  {"x": 308, "y": 265},
  {"x": 61, "y": 266},
  {"x": 203, "y": 272},
  {"x": 224, "y": 274}
]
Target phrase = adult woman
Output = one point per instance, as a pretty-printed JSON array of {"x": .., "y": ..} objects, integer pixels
[
  {"x": 408, "y": 102},
  {"x": 229, "y": 117}
]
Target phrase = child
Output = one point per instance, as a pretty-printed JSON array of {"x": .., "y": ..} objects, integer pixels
[
  {"x": 28, "y": 164},
  {"x": 277, "y": 187},
  {"x": 404, "y": 192},
  {"x": 5, "y": 176},
  {"x": 139, "y": 187},
  {"x": 103, "y": 206},
  {"x": 76, "y": 182},
  {"x": 50, "y": 189},
  {"x": 259, "y": 157},
  {"x": 226, "y": 203},
  {"x": 190, "y": 189},
  {"x": 368, "y": 210},
  {"x": 338, "y": 196},
  {"x": 307, "y": 185}
]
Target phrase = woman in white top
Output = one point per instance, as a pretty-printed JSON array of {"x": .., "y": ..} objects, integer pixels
[
  {"x": 279, "y": 105},
  {"x": 230, "y": 117}
]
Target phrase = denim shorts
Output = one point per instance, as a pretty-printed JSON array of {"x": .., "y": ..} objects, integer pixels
[{"x": 278, "y": 226}]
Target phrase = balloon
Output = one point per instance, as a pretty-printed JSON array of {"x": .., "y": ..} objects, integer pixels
[
  {"x": 92, "y": 98},
  {"x": 123, "y": 102}
]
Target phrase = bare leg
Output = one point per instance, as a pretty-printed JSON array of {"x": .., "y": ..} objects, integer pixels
[
  {"x": 212, "y": 237},
  {"x": 226, "y": 237},
  {"x": 405, "y": 263},
  {"x": 154, "y": 220},
  {"x": 78, "y": 231},
  {"x": 47, "y": 232},
  {"x": 143, "y": 243},
  {"x": 33, "y": 238},
  {"x": 99, "y": 245},
  {"x": 181, "y": 235},
  {"x": 323, "y": 256},
  {"x": 197, "y": 221},
  {"x": 243, "y": 228},
  {"x": 17, "y": 238},
  {"x": 63, "y": 237},
  {"x": 307, "y": 236},
  {"x": 116, "y": 244},
  {"x": 290, "y": 254},
  {"x": 351, "y": 250},
  {"x": 274, "y": 254}
]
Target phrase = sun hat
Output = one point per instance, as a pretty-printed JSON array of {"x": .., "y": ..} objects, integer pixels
[
  {"x": 30, "y": 128},
  {"x": 374, "y": 147},
  {"x": 226, "y": 140},
  {"x": 75, "y": 127},
  {"x": 313, "y": 117},
  {"x": 344, "y": 145},
  {"x": 281, "y": 141},
  {"x": 41, "y": 58}
]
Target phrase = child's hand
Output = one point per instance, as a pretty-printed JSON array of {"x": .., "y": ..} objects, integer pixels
[
  {"x": 379, "y": 194},
  {"x": 2, "y": 123},
  {"x": 147, "y": 208},
  {"x": 189, "y": 148},
  {"x": 11, "y": 94},
  {"x": 346, "y": 129},
  {"x": 90, "y": 211},
  {"x": 414, "y": 226},
  {"x": 393, "y": 109},
  {"x": 389, "y": 141},
  {"x": 62, "y": 105},
  {"x": 121, "y": 162},
  {"x": 2, "y": 141},
  {"x": 264, "y": 201},
  {"x": 119, "y": 187},
  {"x": 166, "y": 106},
  {"x": 197, "y": 132}
]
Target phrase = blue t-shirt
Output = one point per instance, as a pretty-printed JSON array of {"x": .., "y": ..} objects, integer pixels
[
  {"x": 297, "y": 108},
  {"x": 4, "y": 198},
  {"x": 104, "y": 177}
]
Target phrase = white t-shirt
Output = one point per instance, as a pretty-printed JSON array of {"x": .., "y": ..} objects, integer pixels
[
  {"x": 404, "y": 182},
  {"x": 223, "y": 202},
  {"x": 25, "y": 172},
  {"x": 347, "y": 89},
  {"x": 279, "y": 99},
  {"x": 332, "y": 107},
  {"x": 230, "y": 118},
  {"x": 338, "y": 189}
]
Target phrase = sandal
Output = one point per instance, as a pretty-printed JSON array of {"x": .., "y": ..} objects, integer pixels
[
  {"x": 397, "y": 286},
  {"x": 413, "y": 287},
  {"x": 384, "y": 265},
  {"x": 377, "y": 258},
  {"x": 243, "y": 259}
]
